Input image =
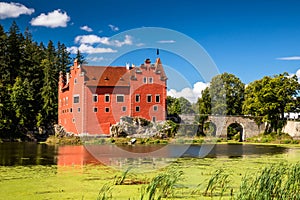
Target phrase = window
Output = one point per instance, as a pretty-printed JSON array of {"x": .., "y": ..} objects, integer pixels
[
  {"x": 75, "y": 80},
  {"x": 71, "y": 110},
  {"x": 106, "y": 98},
  {"x": 150, "y": 80},
  {"x": 95, "y": 98},
  {"x": 107, "y": 109},
  {"x": 73, "y": 120},
  {"x": 78, "y": 109},
  {"x": 137, "y": 98},
  {"x": 149, "y": 98},
  {"x": 95, "y": 109},
  {"x": 76, "y": 99},
  {"x": 155, "y": 108},
  {"x": 145, "y": 80},
  {"x": 137, "y": 109},
  {"x": 157, "y": 98},
  {"x": 120, "y": 98},
  {"x": 154, "y": 119},
  {"x": 124, "y": 109},
  {"x": 67, "y": 99}
]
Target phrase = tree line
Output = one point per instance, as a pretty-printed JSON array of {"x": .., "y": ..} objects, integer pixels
[
  {"x": 265, "y": 100},
  {"x": 29, "y": 75}
]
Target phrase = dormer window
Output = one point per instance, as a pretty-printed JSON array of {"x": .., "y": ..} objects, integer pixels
[{"x": 150, "y": 80}]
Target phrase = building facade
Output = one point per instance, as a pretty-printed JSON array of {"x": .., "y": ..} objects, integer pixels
[{"x": 92, "y": 98}]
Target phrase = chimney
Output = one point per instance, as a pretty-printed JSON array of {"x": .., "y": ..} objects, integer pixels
[
  {"x": 147, "y": 61},
  {"x": 68, "y": 77},
  {"x": 76, "y": 63},
  {"x": 127, "y": 66}
]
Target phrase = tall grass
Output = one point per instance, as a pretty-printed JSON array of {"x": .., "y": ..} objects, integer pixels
[
  {"x": 105, "y": 192},
  {"x": 274, "y": 182},
  {"x": 162, "y": 186},
  {"x": 218, "y": 184}
]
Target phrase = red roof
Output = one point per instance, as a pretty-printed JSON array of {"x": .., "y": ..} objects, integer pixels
[{"x": 106, "y": 76}]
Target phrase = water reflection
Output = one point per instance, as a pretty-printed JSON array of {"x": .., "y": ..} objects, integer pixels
[
  {"x": 151, "y": 156},
  {"x": 74, "y": 155},
  {"x": 27, "y": 154}
]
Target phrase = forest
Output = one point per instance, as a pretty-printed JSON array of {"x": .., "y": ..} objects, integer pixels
[{"x": 29, "y": 74}]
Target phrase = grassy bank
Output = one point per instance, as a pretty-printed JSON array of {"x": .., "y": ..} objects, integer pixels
[{"x": 198, "y": 179}]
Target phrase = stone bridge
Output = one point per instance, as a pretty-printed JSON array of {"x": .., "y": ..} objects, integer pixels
[{"x": 246, "y": 126}]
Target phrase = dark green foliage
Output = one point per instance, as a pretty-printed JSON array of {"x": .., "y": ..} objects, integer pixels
[
  {"x": 227, "y": 94},
  {"x": 28, "y": 83},
  {"x": 269, "y": 98},
  {"x": 80, "y": 57},
  {"x": 178, "y": 106}
]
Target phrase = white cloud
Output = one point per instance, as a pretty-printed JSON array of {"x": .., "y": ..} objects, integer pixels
[
  {"x": 91, "y": 39},
  {"x": 191, "y": 94},
  {"x": 289, "y": 58},
  {"x": 298, "y": 73},
  {"x": 127, "y": 41},
  {"x": 85, "y": 48},
  {"x": 140, "y": 44},
  {"x": 13, "y": 10},
  {"x": 94, "y": 39},
  {"x": 86, "y": 28},
  {"x": 54, "y": 19},
  {"x": 166, "y": 41},
  {"x": 113, "y": 28},
  {"x": 95, "y": 59}
]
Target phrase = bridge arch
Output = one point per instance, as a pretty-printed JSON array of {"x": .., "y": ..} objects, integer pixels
[
  {"x": 235, "y": 131},
  {"x": 219, "y": 124}
]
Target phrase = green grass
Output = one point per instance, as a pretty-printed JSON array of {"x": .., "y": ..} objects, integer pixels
[{"x": 185, "y": 178}]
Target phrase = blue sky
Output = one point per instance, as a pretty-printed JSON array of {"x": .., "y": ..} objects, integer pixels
[{"x": 250, "y": 39}]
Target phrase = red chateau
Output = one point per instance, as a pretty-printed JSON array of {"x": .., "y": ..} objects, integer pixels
[{"x": 92, "y": 98}]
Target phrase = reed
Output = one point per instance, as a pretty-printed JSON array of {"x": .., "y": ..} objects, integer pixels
[
  {"x": 218, "y": 184},
  {"x": 162, "y": 185},
  {"x": 274, "y": 182},
  {"x": 105, "y": 192}
]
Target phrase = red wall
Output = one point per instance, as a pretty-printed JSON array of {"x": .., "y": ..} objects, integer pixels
[{"x": 86, "y": 121}]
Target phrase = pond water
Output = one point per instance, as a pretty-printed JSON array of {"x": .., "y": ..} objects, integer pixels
[{"x": 13, "y": 154}]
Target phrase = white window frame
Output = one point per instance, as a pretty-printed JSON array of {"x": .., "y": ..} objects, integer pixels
[
  {"x": 120, "y": 95},
  {"x": 139, "y": 96},
  {"x": 106, "y": 110},
  {"x": 139, "y": 109},
  {"x": 95, "y": 95},
  {"x": 95, "y": 109},
  {"x": 145, "y": 80},
  {"x": 150, "y": 80},
  {"x": 106, "y": 95},
  {"x": 157, "y": 95},
  {"x": 124, "y": 108},
  {"x": 155, "y": 108},
  {"x": 76, "y": 96},
  {"x": 149, "y": 95}
]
